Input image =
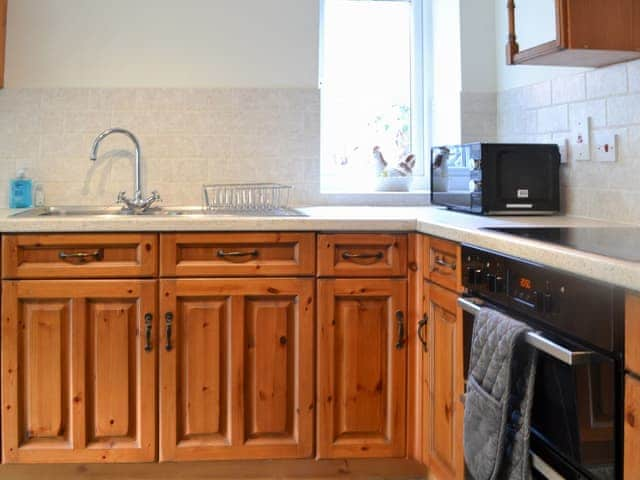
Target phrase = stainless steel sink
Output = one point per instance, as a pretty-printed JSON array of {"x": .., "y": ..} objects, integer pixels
[{"x": 78, "y": 211}]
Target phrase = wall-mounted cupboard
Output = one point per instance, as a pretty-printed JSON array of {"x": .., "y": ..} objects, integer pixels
[{"x": 577, "y": 33}]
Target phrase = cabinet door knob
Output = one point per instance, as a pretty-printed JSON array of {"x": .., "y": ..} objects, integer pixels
[
  {"x": 148, "y": 325},
  {"x": 168, "y": 320},
  {"x": 400, "y": 321},
  {"x": 421, "y": 324}
]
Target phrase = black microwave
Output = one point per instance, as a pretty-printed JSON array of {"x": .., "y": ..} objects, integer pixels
[{"x": 497, "y": 178}]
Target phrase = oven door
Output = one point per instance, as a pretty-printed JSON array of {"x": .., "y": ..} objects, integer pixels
[{"x": 574, "y": 419}]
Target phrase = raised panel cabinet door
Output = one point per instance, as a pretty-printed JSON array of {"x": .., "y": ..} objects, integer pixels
[
  {"x": 632, "y": 428},
  {"x": 443, "y": 384},
  {"x": 236, "y": 369},
  {"x": 78, "y": 371},
  {"x": 362, "y": 360}
]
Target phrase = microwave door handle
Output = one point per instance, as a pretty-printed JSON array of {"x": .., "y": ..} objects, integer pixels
[
  {"x": 535, "y": 339},
  {"x": 544, "y": 468}
]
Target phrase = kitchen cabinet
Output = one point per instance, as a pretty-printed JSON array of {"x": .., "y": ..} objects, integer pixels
[
  {"x": 580, "y": 33},
  {"x": 443, "y": 383},
  {"x": 236, "y": 368},
  {"x": 79, "y": 371},
  {"x": 632, "y": 428},
  {"x": 361, "y": 368},
  {"x": 443, "y": 263}
]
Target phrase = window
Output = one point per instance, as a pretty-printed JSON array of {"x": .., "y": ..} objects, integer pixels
[{"x": 372, "y": 95}]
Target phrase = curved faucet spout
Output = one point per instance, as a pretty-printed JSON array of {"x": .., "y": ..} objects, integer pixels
[
  {"x": 137, "y": 192},
  {"x": 137, "y": 203}
]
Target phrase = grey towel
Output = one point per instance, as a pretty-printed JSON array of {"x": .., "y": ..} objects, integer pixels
[{"x": 498, "y": 401}]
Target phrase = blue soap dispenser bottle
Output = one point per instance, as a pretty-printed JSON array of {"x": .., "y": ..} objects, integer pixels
[{"x": 20, "y": 195}]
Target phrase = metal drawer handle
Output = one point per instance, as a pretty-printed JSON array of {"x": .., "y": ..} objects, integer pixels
[
  {"x": 421, "y": 324},
  {"x": 440, "y": 261},
  {"x": 536, "y": 340},
  {"x": 82, "y": 256},
  {"x": 148, "y": 320},
  {"x": 362, "y": 256},
  {"x": 223, "y": 254},
  {"x": 400, "y": 321},
  {"x": 168, "y": 319}
]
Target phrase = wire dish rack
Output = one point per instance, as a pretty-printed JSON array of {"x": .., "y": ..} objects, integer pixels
[{"x": 246, "y": 198}]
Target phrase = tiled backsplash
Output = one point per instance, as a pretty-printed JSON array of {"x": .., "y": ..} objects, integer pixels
[
  {"x": 479, "y": 116},
  {"x": 544, "y": 112},
  {"x": 188, "y": 137}
]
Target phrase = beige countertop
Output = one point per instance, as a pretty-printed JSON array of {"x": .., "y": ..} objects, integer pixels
[{"x": 458, "y": 227}]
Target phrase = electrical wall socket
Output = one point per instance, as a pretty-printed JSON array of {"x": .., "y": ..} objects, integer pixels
[
  {"x": 606, "y": 146},
  {"x": 581, "y": 139}
]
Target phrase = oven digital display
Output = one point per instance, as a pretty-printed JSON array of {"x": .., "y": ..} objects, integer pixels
[{"x": 525, "y": 283}]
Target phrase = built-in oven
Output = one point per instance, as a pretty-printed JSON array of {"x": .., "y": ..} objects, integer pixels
[{"x": 576, "y": 423}]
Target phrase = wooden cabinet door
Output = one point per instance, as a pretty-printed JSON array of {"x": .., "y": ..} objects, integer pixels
[
  {"x": 78, "y": 378},
  {"x": 443, "y": 408},
  {"x": 236, "y": 369},
  {"x": 361, "y": 368},
  {"x": 632, "y": 428}
]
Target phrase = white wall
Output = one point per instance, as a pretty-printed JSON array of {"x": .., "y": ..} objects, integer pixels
[
  {"x": 162, "y": 43},
  {"x": 477, "y": 27},
  {"x": 511, "y": 76}
]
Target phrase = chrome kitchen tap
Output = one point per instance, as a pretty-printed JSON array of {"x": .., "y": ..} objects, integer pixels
[{"x": 137, "y": 203}]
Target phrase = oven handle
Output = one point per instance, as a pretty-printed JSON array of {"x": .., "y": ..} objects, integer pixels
[
  {"x": 544, "y": 468},
  {"x": 535, "y": 339}
]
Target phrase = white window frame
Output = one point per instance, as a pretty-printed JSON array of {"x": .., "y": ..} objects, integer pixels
[{"x": 421, "y": 85}]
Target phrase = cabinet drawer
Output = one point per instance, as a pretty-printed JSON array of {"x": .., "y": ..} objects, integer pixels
[
  {"x": 362, "y": 255},
  {"x": 443, "y": 263},
  {"x": 79, "y": 255},
  {"x": 237, "y": 254}
]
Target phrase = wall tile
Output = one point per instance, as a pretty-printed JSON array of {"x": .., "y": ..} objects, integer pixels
[
  {"x": 623, "y": 110},
  {"x": 634, "y": 76},
  {"x": 607, "y": 81},
  {"x": 571, "y": 88},
  {"x": 553, "y": 119},
  {"x": 595, "y": 109}
]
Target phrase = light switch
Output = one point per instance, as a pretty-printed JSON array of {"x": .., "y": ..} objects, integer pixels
[{"x": 606, "y": 146}]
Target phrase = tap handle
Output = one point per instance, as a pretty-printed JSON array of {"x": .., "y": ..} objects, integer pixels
[{"x": 122, "y": 197}]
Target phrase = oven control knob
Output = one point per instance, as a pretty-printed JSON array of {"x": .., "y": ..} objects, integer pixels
[
  {"x": 547, "y": 303},
  {"x": 471, "y": 275},
  {"x": 478, "y": 276},
  {"x": 538, "y": 300},
  {"x": 491, "y": 282}
]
